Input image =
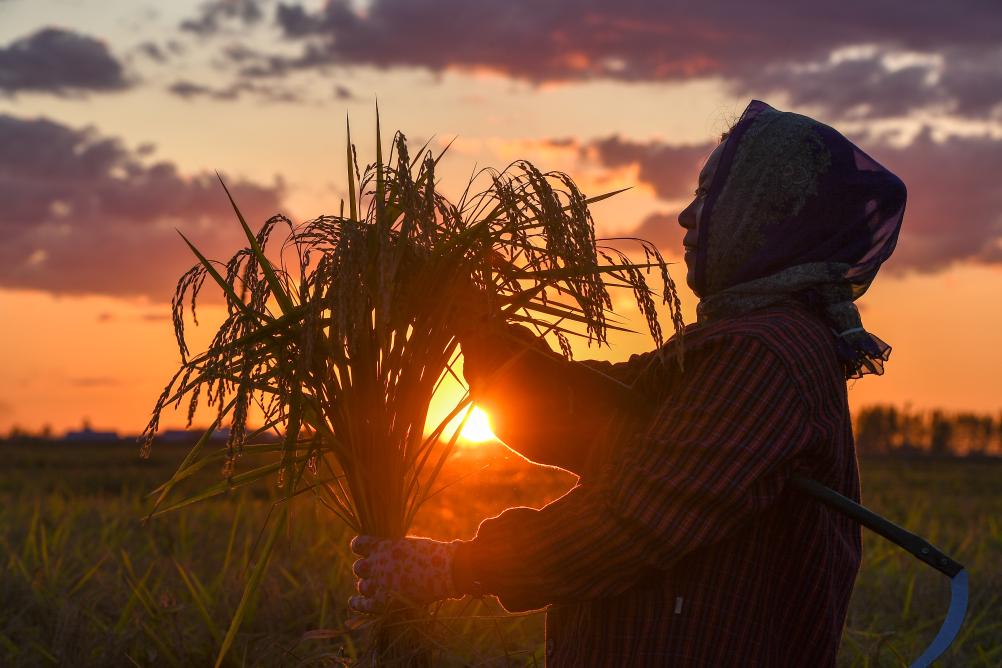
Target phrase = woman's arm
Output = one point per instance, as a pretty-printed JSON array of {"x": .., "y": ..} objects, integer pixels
[
  {"x": 551, "y": 410},
  {"x": 722, "y": 452}
]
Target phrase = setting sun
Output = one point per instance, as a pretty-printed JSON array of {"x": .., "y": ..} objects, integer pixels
[{"x": 478, "y": 427}]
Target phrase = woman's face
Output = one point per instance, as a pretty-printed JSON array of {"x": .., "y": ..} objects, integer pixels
[{"x": 691, "y": 216}]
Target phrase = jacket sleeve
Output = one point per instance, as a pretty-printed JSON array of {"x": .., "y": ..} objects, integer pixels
[
  {"x": 721, "y": 450},
  {"x": 549, "y": 409}
]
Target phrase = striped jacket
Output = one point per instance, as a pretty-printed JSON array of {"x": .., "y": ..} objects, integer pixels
[{"x": 682, "y": 544}]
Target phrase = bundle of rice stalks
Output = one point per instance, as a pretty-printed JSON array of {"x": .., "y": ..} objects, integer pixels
[{"x": 343, "y": 335}]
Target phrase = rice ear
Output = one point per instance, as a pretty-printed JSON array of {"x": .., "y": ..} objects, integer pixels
[{"x": 352, "y": 203}]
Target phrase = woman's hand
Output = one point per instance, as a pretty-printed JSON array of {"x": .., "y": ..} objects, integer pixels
[
  {"x": 480, "y": 328},
  {"x": 413, "y": 570},
  {"x": 470, "y": 308}
]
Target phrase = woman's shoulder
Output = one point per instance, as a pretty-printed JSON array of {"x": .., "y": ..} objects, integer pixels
[
  {"x": 789, "y": 330},
  {"x": 789, "y": 333},
  {"x": 786, "y": 323}
]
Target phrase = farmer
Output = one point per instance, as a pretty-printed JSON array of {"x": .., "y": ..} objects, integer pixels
[{"x": 683, "y": 543}]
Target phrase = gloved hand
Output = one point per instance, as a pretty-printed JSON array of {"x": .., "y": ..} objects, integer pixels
[{"x": 414, "y": 570}]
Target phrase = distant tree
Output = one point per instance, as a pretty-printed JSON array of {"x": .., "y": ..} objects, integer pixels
[
  {"x": 877, "y": 429},
  {"x": 998, "y": 435},
  {"x": 913, "y": 430},
  {"x": 973, "y": 433},
  {"x": 940, "y": 434}
]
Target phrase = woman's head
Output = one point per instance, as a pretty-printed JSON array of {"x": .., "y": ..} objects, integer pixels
[{"x": 783, "y": 190}]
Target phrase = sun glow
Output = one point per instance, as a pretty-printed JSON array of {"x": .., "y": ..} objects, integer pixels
[{"x": 478, "y": 427}]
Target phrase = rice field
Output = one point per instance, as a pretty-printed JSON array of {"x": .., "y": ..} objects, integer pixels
[{"x": 84, "y": 582}]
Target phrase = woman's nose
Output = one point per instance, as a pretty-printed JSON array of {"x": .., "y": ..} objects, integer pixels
[{"x": 687, "y": 218}]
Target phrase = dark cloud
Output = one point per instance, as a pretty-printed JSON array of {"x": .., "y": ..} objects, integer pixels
[
  {"x": 189, "y": 90},
  {"x": 669, "y": 169},
  {"x": 296, "y": 21},
  {"x": 252, "y": 63},
  {"x": 963, "y": 82},
  {"x": 239, "y": 53},
  {"x": 215, "y": 14},
  {"x": 852, "y": 87},
  {"x": 84, "y": 214},
  {"x": 59, "y": 61},
  {"x": 158, "y": 53},
  {"x": 954, "y": 210},
  {"x": 662, "y": 230},
  {"x": 638, "y": 40},
  {"x": 153, "y": 51},
  {"x": 972, "y": 79}
]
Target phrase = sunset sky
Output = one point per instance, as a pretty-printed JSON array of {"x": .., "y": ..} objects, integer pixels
[{"x": 114, "y": 116}]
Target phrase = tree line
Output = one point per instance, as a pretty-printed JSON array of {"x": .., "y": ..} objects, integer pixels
[
  {"x": 886, "y": 429},
  {"x": 881, "y": 429}
]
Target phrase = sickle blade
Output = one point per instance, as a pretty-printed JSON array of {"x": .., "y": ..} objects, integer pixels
[{"x": 951, "y": 625}]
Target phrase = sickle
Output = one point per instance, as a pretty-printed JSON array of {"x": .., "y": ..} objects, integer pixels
[{"x": 912, "y": 543}]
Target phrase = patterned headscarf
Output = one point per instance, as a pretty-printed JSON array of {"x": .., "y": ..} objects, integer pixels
[{"x": 796, "y": 210}]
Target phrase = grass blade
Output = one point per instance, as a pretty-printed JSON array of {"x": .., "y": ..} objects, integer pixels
[{"x": 250, "y": 588}]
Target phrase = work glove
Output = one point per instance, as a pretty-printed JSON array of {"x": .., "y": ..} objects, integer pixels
[{"x": 415, "y": 571}]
